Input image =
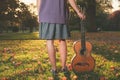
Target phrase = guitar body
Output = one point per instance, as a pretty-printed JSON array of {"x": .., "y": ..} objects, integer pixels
[{"x": 83, "y": 62}]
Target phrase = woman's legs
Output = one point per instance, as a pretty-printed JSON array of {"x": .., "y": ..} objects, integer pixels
[
  {"x": 63, "y": 52},
  {"x": 51, "y": 53}
]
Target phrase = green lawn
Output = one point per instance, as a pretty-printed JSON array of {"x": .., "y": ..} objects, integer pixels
[
  {"x": 17, "y": 36},
  {"x": 28, "y": 59}
]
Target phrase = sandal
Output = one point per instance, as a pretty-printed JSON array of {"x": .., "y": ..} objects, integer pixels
[
  {"x": 54, "y": 72},
  {"x": 65, "y": 70}
]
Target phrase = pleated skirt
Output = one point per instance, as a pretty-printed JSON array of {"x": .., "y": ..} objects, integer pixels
[{"x": 51, "y": 31}]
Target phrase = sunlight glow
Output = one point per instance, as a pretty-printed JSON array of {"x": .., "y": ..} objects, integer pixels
[
  {"x": 29, "y": 1},
  {"x": 32, "y": 8},
  {"x": 115, "y": 4}
]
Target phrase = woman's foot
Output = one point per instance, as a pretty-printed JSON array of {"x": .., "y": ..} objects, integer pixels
[
  {"x": 54, "y": 72},
  {"x": 64, "y": 70}
]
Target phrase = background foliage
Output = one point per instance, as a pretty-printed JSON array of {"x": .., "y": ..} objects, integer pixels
[{"x": 16, "y": 16}]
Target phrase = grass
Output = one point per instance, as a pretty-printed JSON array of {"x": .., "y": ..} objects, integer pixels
[
  {"x": 19, "y": 35},
  {"x": 28, "y": 59}
]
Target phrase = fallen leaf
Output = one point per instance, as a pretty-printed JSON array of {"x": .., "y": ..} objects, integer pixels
[
  {"x": 75, "y": 77},
  {"x": 112, "y": 68},
  {"x": 64, "y": 78},
  {"x": 18, "y": 64},
  {"x": 50, "y": 78},
  {"x": 4, "y": 78},
  {"x": 39, "y": 62},
  {"x": 5, "y": 50},
  {"x": 69, "y": 67},
  {"x": 102, "y": 78}
]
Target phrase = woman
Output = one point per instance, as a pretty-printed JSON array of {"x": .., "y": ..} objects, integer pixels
[{"x": 53, "y": 15}]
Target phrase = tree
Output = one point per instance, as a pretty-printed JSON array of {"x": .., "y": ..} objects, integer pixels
[
  {"x": 96, "y": 13},
  {"x": 30, "y": 23},
  {"x": 13, "y": 13},
  {"x": 90, "y": 6},
  {"x": 95, "y": 8},
  {"x": 114, "y": 21},
  {"x": 8, "y": 12},
  {"x": 27, "y": 19},
  {"x": 90, "y": 9},
  {"x": 102, "y": 11},
  {"x": 103, "y": 19},
  {"x": 91, "y": 12}
]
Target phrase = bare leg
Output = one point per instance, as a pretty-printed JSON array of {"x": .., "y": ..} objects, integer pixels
[
  {"x": 51, "y": 53},
  {"x": 63, "y": 53}
]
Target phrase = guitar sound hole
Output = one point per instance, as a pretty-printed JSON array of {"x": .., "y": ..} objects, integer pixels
[
  {"x": 82, "y": 64},
  {"x": 82, "y": 52}
]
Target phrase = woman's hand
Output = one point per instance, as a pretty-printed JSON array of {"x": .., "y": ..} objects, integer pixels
[
  {"x": 81, "y": 15},
  {"x": 75, "y": 7}
]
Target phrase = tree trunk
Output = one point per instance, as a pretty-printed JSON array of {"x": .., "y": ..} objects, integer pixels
[{"x": 91, "y": 13}]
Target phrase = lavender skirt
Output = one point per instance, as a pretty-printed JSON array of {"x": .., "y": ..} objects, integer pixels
[{"x": 51, "y": 31}]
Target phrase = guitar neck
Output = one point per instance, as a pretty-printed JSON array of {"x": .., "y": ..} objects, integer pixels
[{"x": 83, "y": 35}]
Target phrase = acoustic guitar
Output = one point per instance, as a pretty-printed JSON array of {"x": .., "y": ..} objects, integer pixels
[{"x": 82, "y": 61}]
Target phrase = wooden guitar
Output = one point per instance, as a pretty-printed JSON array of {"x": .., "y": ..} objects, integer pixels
[{"x": 82, "y": 61}]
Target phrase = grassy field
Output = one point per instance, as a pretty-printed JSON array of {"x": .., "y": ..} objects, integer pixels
[
  {"x": 28, "y": 59},
  {"x": 19, "y": 35}
]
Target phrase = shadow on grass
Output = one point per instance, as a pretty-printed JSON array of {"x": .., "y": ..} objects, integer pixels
[
  {"x": 88, "y": 76},
  {"x": 36, "y": 75},
  {"x": 67, "y": 75},
  {"x": 111, "y": 55}
]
